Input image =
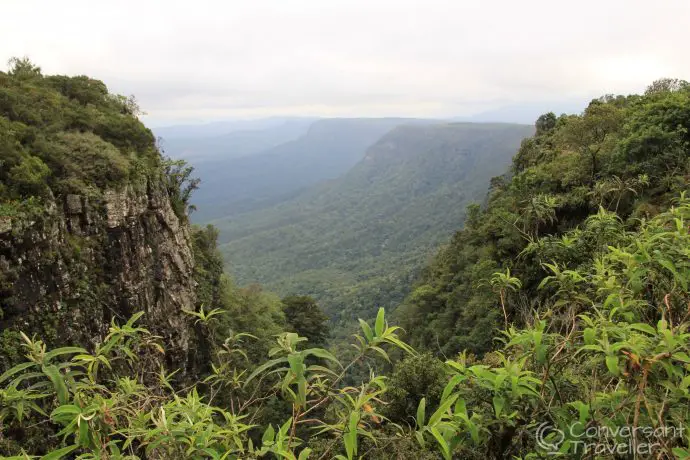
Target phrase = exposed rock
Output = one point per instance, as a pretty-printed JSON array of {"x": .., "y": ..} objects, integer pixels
[
  {"x": 5, "y": 224},
  {"x": 73, "y": 205},
  {"x": 85, "y": 264},
  {"x": 124, "y": 204}
]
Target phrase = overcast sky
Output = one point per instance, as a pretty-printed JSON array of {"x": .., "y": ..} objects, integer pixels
[{"x": 207, "y": 60}]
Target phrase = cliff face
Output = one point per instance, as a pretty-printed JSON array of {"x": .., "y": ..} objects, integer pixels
[
  {"x": 92, "y": 225},
  {"x": 86, "y": 261}
]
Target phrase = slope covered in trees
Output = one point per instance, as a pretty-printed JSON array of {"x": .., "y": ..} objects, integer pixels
[
  {"x": 211, "y": 149},
  {"x": 624, "y": 155},
  {"x": 357, "y": 242},
  {"x": 64, "y": 135},
  {"x": 328, "y": 149}
]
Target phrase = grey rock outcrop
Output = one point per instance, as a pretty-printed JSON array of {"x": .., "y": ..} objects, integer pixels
[{"x": 66, "y": 275}]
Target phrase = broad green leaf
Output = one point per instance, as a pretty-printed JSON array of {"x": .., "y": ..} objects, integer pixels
[
  {"x": 135, "y": 317},
  {"x": 402, "y": 345},
  {"x": 321, "y": 353},
  {"x": 15, "y": 370},
  {"x": 445, "y": 448},
  {"x": 460, "y": 408},
  {"x": 612, "y": 364},
  {"x": 454, "y": 381},
  {"x": 681, "y": 356},
  {"x": 316, "y": 368},
  {"x": 67, "y": 409},
  {"x": 296, "y": 361},
  {"x": 286, "y": 426},
  {"x": 667, "y": 264},
  {"x": 350, "y": 438},
  {"x": 381, "y": 352},
  {"x": 268, "y": 436},
  {"x": 367, "y": 330},
  {"x": 60, "y": 388},
  {"x": 420, "y": 438},
  {"x": 380, "y": 322},
  {"x": 63, "y": 351},
  {"x": 60, "y": 453},
  {"x": 304, "y": 455},
  {"x": 267, "y": 365},
  {"x": 642, "y": 327},
  {"x": 499, "y": 403},
  {"x": 421, "y": 408},
  {"x": 681, "y": 453},
  {"x": 83, "y": 438},
  {"x": 441, "y": 411}
]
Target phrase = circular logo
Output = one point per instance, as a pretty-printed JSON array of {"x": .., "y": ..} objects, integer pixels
[{"x": 549, "y": 437}]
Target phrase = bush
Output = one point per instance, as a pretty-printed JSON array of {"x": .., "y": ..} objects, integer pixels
[{"x": 30, "y": 176}]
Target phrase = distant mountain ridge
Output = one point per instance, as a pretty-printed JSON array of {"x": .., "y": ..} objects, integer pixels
[
  {"x": 358, "y": 240},
  {"x": 234, "y": 144},
  {"x": 221, "y": 128},
  {"x": 326, "y": 150}
]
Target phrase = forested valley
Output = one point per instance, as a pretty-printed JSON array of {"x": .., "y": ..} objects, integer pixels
[
  {"x": 358, "y": 242},
  {"x": 560, "y": 304}
]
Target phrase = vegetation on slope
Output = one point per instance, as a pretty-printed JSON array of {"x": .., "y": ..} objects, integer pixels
[
  {"x": 61, "y": 135},
  {"x": 212, "y": 156},
  {"x": 250, "y": 309},
  {"x": 623, "y": 155},
  {"x": 356, "y": 243},
  {"x": 328, "y": 149}
]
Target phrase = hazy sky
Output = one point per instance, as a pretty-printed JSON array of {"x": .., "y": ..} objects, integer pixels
[{"x": 204, "y": 60}]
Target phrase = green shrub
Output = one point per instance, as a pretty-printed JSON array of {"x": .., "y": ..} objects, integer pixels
[
  {"x": 30, "y": 176},
  {"x": 92, "y": 160}
]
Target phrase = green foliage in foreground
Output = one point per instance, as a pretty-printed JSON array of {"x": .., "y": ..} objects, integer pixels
[{"x": 610, "y": 349}]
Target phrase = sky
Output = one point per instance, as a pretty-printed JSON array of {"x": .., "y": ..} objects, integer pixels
[{"x": 198, "y": 61}]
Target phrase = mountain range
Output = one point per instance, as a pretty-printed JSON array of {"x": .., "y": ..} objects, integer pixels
[{"x": 246, "y": 170}]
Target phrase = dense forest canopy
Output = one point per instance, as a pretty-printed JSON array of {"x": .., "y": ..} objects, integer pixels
[
  {"x": 357, "y": 243},
  {"x": 561, "y": 311}
]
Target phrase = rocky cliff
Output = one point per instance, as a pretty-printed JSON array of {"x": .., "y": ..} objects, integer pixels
[
  {"x": 84, "y": 263},
  {"x": 92, "y": 226}
]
